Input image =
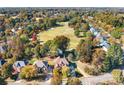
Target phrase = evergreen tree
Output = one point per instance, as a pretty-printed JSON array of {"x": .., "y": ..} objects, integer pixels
[
  {"x": 106, "y": 65},
  {"x": 115, "y": 54},
  {"x": 113, "y": 58}
]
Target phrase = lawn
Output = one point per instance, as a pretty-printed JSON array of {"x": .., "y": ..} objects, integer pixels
[{"x": 63, "y": 29}]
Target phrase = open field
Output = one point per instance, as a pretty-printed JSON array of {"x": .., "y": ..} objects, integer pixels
[{"x": 64, "y": 29}]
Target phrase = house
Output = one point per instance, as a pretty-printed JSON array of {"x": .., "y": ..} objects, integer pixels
[
  {"x": 104, "y": 44},
  {"x": 94, "y": 31},
  {"x": 59, "y": 62},
  {"x": 13, "y": 30},
  {"x": 19, "y": 28},
  {"x": 41, "y": 67},
  {"x": 18, "y": 65},
  {"x": 2, "y": 15},
  {"x": 98, "y": 36},
  {"x": 90, "y": 25}
]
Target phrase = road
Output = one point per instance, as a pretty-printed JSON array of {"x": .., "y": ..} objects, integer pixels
[
  {"x": 92, "y": 80},
  {"x": 96, "y": 79}
]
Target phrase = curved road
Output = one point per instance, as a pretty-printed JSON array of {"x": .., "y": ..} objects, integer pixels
[
  {"x": 92, "y": 80},
  {"x": 96, "y": 79}
]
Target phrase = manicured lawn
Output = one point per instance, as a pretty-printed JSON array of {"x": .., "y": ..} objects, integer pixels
[{"x": 60, "y": 30}]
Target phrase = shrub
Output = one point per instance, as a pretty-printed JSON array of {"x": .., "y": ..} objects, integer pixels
[
  {"x": 65, "y": 71},
  {"x": 2, "y": 81},
  {"x": 116, "y": 34},
  {"x": 90, "y": 71},
  {"x": 28, "y": 72},
  {"x": 56, "y": 80},
  {"x": 56, "y": 72},
  {"x": 24, "y": 38},
  {"x": 73, "y": 81},
  {"x": 7, "y": 70},
  {"x": 77, "y": 33},
  {"x": 57, "y": 77},
  {"x": 118, "y": 75}
]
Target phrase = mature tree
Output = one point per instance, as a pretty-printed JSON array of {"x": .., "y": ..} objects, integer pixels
[
  {"x": 62, "y": 42},
  {"x": 84, "y": 50}
]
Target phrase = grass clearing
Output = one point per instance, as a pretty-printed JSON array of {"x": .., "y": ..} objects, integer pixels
[{"x": 64, "y": 29}]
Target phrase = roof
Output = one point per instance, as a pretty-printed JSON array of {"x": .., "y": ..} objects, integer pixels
[
  {"x": 61, "y": 61},
  {"x": 1, "y": 49},
  {"x": 20, "y": 63},
  {"x": 92, "y": 29},
  {"x": 39, "y": 64},
  {"x": 1, "y": 62}
]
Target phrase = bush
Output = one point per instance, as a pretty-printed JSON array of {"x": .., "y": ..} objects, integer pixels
[
  {"x": 28, "y": 72},
  {"x": 56, "y": 80},
  {"x": 7, "y": 70},
  {"x": 56, "y": 72},
  {"x": 24, "y": 38},
  {"x": 91, "y": 71},
  {"x": 2, "y": 81},
  {"x": 116, "y": 34},
  {"x": 57, "y": 77},
  {"x": 65, "y": 71},
  {"x": 73, "y": 81},
  {"x": 118, "y": 75},
  {"x": 77, "y": 33}
]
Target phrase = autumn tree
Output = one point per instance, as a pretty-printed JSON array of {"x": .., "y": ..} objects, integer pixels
[{"x": 84, "y": 50}]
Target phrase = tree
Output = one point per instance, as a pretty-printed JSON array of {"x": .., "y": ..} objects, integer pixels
[
  {"x": 37, "y": 51},
  {"x": 116, "y": 34},
  {"x": 115, "y": 54},
  {"x": 59, "y": 42},
  {"x": 84, "y": 50},
  {"x": 17, "y": 48},
  {"x": 24, "y": 38},
  {"x": 7, "y": 70},
  {"x": 106, "y": 65},
  {"x": 28, "y": 52},
  {"x": 113, "y": 58},
  {"x": 86, "y": 26}
]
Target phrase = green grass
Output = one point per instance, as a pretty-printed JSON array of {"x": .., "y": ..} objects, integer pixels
[{"x": 60, "y": 30}]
